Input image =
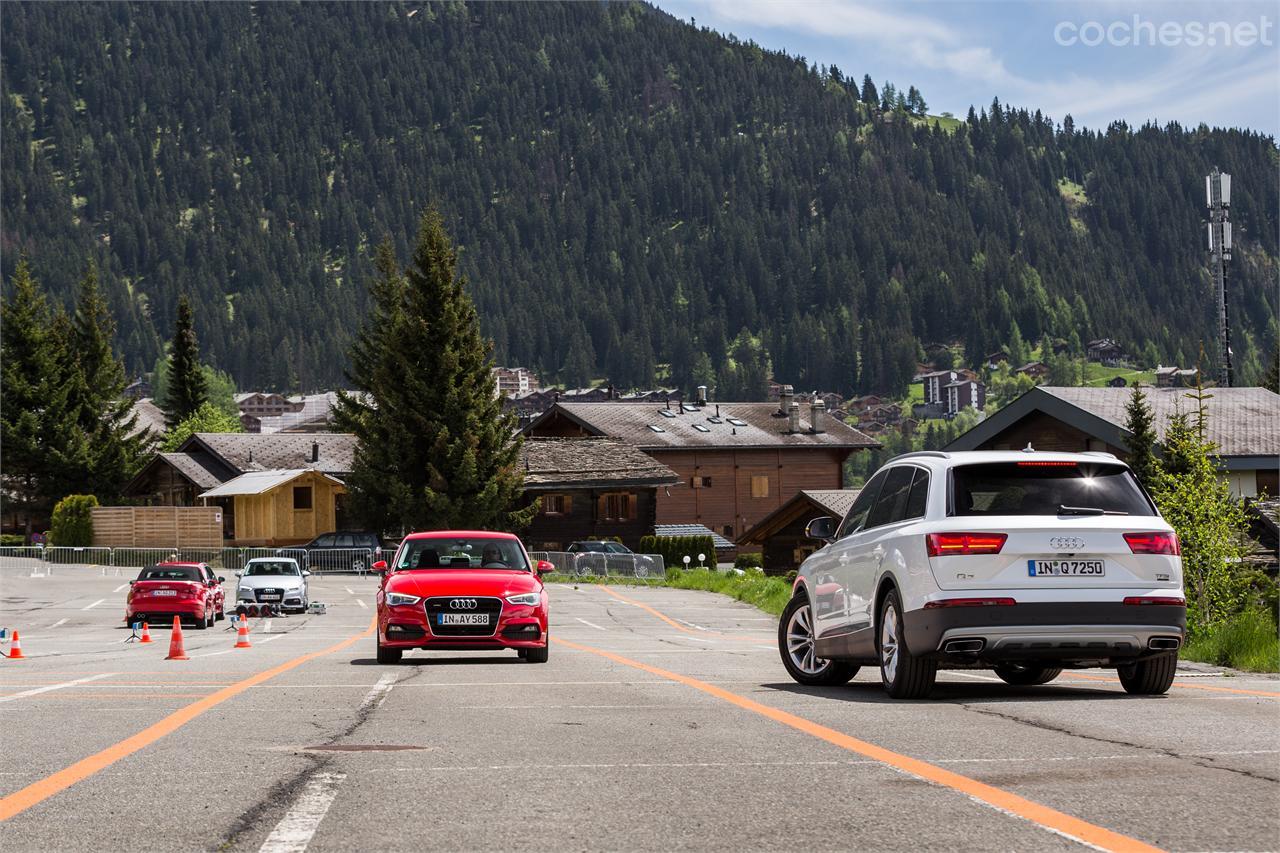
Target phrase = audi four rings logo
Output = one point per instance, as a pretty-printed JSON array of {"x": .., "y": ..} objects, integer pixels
[
  {"x": 1066, "y": 543},
  {"x": 462, "y": 604}
]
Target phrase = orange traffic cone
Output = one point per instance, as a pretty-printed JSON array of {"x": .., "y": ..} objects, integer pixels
[
  {"x": 176, "y": 651},
  {"x": 15, "y": 650},
  {"x": 146, "y": 633},
  {"x": 242, "y": 635}
]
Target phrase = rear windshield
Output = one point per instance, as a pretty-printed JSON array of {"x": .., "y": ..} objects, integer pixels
[
  {"x": 170, "y": 573},
  {"x": 1045, "y": 488},
  {"x": 274, "y": 568},
  {"x": 470, "y": 552}
]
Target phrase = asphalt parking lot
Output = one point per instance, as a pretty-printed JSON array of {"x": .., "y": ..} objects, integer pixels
[{"x": 664, "y": 720}]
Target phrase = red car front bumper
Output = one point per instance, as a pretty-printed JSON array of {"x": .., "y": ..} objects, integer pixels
[{"x": 417, "y": 626}]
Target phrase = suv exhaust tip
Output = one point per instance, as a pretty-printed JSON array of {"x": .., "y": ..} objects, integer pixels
[
  {"x": 965, "y": 647},
  {"x": 1164, "y": 644}
]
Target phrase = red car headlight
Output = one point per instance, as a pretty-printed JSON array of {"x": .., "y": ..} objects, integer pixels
[
  {"x": 532, "y": 599},
  {"x": 399, "y": 599}
]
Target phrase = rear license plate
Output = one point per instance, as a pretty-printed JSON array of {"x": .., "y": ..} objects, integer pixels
[
  {"x": 464, "y": 619},
  {"x": 165, "y": 592},
  {"x": 1066, "y": 568}
]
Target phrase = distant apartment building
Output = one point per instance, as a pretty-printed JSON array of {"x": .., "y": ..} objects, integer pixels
[
  {"x": 515, "y": 381},
  {"x": 964, "y": 394}
]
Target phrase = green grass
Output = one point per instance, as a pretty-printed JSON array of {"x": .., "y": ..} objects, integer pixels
[
  {"x": 1248, "y": 641},
  {"x": 770, "y": 594},
  {"x": 1099, "y": 374}
]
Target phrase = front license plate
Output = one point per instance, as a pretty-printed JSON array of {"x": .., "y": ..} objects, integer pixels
[
  {"x": 464, "y": 619},
  {"x": 165, "y": 592},
  {"x": 1066, "y": 568},
  {"x": 270, "y": 598}
]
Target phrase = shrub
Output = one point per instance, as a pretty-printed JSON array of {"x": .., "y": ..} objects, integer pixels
[
  {"x": 1247, "y": 641},
  {"x": 12, "y": 539},
  {"x": 73, "y": 521},
  {"x": 674, "y": 549},
  {"x": 749, "y": 561}
]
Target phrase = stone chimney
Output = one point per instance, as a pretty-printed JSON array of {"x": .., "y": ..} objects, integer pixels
[
  {"x": 817, "y": 416},
  {"x": 702, "y": 395},
  {"x": 785, "y": 396},
  {"x": 315, "y": 451},
  {"x": 793, "y": 412}
]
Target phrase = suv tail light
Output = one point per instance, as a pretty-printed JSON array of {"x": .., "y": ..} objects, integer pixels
[
  {"x": 969, "y": 602},
  {"x": 1165, "y": 600},
  {"x": 1154, "y": 543},
  {"x": 953, "y": 544}
]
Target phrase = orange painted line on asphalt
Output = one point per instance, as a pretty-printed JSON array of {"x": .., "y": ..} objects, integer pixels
[
  {"x": 37, "y": 792},
  {"x": 674, "y": 624},
  {"x": 1188, "y": 685},
  {"x": 998, "y": 798}
]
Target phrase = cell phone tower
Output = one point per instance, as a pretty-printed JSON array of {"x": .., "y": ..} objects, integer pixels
[{"x": 1217, "y": 187}]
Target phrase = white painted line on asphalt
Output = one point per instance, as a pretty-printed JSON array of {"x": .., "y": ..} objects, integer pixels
[
  {"x": 296, "y": 829},
  {"x": 691, "y": 624},
  {"x": 122, "y": 586},
  {"x": 589, "y": 624},
  {"x": 59, "y": 622},
  {"x": 349, "y": 590},
  {"x": 95, "y": 604},
  {"x": 215, "y": 654},
  {"x": 963, "y": 674},
  {"x": 360, "y": 601},
  {"x": 266, "y": 627},
  {"x": 378, "y": 693},
  {"x": 269, "y": 639},
  {"x": 47, "y": 688}
]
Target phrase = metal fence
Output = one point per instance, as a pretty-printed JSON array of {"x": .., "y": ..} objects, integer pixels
[
  {"x": 330, "y": 561},
  {"x": 643, "y": 566}
]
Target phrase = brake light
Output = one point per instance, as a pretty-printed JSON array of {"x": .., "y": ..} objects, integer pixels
[
  {"x": 1154, "y": 543},
  {"x": 1166, "y": 600},
  {"x": 953, "y": 544},
  {"x": 1047, "y": 464},
  {"x": 969, "y": 602}
]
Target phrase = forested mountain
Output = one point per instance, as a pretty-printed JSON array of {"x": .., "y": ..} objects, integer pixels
[{"x": 625, "y": 189}]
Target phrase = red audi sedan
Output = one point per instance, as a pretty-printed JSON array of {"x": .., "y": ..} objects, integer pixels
[
  {"x": 165, "y": 590},
  {"x": 462, "y": 589}
]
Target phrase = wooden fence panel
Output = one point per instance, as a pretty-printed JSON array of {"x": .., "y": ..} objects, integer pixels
[{"x": 157, "y": 526}]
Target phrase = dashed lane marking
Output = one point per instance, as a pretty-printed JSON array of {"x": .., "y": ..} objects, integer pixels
[
  {"x": 296, "y": 829},
  {"x": 122, "y": 586},
  {"x": 360, "y": 601},
  {"x": 999, "y": 799},
  {"x": 589, "y": 624},
  {"x": 24, "y": 694},
  {"x": 95, "y": 604},
  {"x": 349, "y": 590},
  {"x": 39, "y": 791},
  {"x": 59, "y": 622}
]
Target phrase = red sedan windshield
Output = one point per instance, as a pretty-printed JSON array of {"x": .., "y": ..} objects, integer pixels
[{"x": 466, "y": 552}]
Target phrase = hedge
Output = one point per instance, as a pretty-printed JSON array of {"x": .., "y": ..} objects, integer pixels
[
  {"x": 73, "y": 521},
  {"x": 749, "y": 561},
  {"x": 675, "y": 548}
]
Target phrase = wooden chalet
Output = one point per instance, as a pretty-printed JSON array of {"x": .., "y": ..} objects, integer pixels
[
  {"x": 780, "y": 535},
  {"x": 590, "y": 488},
  {"x": 735, "y": 462}
]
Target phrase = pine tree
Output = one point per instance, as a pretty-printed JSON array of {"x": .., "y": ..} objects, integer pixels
[
  {"x": 436, "y": 447},
  {"x": 38, "y": 427},
  {"x": 1142, "y": 437},
  {"x": 870, "y": 96},
  {"x": 105, "y": 417},
  {"x": 186, "y": 390}
]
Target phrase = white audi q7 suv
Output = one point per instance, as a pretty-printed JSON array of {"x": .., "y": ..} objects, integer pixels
[{"x": 1022, "y": 561}]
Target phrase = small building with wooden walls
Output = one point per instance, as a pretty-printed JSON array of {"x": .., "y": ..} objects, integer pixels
[
  {"x": 780, "y": 535},
  {"x": 281, "y": 507}
]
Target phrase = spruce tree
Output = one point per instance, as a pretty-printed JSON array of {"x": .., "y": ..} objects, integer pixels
[
  {"x": 1140, "y": 423},
  {"x": 99, "y": 381},
  {"x": 436, "y": 447},
  {"x": 186, "y": 390}
]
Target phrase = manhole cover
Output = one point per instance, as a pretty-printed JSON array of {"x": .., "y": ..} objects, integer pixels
[{"x": 364, "y": 747}]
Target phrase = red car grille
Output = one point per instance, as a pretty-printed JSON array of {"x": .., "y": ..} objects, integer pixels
[{"x": 459, "y": 604}]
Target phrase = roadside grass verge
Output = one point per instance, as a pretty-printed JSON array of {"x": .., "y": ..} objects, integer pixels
[
  {"x": 769, "y": 594},
  {"x": 1247, "y": 641}
]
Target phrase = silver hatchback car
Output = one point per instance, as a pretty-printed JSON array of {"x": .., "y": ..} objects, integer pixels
[{"x": 277, "y": 581}]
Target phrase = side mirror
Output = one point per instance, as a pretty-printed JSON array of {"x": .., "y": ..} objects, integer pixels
[
  {"x": 823, "y": 528},
  {"x": 239, "y": 574},
  {"x": 221, "y": 579},
  {"x": 544, "y": 567},
  {"x": 307, "y": 574},
  {"x": 380, "y": 566}
]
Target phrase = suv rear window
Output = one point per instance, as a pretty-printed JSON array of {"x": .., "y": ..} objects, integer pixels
[{"x": 1045, "y": 488}]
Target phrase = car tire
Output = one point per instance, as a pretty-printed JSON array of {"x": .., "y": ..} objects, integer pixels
[
  {"x": 386, "y": 655},
  {"x": 796, "y": 646},
  {"x": 219, "y": 615},
  {"x": 1024, "y": 675},
  {"x": 1149, "y": 677},
  {"x": 522, "y": 653},
  {"x": 201, "y": 623},
  {"x": 904, "y": 675},
  {"x": 539, "y": 654}
]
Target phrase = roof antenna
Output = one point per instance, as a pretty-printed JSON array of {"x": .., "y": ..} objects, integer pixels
[{"x": 1028, "y": 448}]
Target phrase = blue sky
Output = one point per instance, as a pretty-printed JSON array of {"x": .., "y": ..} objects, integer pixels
[{"x": 1091, "y": 58}]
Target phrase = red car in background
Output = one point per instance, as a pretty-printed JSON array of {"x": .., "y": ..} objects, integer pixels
[
  {"x": 462, "y": 589},
  {"x": 188, "y": 590}
]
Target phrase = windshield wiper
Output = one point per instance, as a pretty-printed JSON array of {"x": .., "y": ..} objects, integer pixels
[{"x": 1063, "y": 509}]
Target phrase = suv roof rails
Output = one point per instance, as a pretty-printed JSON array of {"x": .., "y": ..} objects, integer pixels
[{"x": 933, "y": 454}]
